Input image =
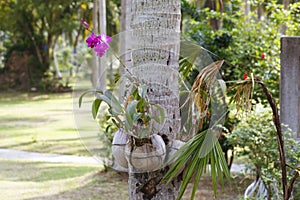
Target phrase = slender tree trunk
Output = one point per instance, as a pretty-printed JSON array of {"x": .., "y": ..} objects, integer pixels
[
  {"x": 259, "y": 12},
  {"x": 95, "y": 60},
  {"x": 102, "y": 63},
  {"x": 55, "y": 63},
  {"x": 247, "y": 8},
  {"x": 286, "y": 7},
  {"x": 213, "y": 22},
  {"x": 155, "y": 46},
  {"x": 221, "y": 8},
  {"x": 125, "y": 37},
  {"x": 198, "y": 4}
]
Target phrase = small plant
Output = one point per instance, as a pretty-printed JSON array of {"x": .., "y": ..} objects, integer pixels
[
  {"x": 135, "y": 113},
  {"x": 137, "y": 141}
]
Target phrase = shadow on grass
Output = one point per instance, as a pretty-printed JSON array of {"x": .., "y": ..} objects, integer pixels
[
  {"x": 22, "y": 144},
  {"x": 109, "y": 185},
  {"x": 39, "y": 171},
  {"x": 112, "y": 185}
]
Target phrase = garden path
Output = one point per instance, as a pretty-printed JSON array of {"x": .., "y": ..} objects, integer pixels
[
  {"x": 45, "y": 157},
  {"x": 58, "y": 158}
]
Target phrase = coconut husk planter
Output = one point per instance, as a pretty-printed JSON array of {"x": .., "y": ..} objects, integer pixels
[
  {"x": 172, "y": 149},
  {"x": 146, "y": 154},
  {"x": 121, "y": 138}
]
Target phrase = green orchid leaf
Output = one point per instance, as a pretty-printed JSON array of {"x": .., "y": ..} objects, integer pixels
[
  {"x": 114, "y": 103},
  {"x": 142, "y": 91},
  {"x": 137, "y": 116},
  {"x": 95, "y": 107},
  {"x": 115, "y": 123},
  {"x": 130, "y": 110},
  {"x": 157, "y": 119},
  {"x": 86, "y": 92}
]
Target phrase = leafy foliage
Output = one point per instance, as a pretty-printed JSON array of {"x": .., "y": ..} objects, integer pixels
[
  {"x": 37, "y": 25},
  {"x": 248, "y": 44},
  {"x": 203, "y": 151},
  {"x": 193, "y": 159},
  {"x": 135, "y": 111},
  {"x": 255, "y": 137}
]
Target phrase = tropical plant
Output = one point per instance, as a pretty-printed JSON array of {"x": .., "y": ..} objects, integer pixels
[
  {"x": 253, "y": 136},
  {"x": 134, "y": 112},
  {"x": 242, "y": 97}
]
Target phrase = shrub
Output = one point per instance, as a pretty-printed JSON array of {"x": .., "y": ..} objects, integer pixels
[{"x": 256, "y": 139}]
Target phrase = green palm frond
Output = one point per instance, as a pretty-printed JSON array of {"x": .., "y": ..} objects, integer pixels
[{"x": 193, "y": 160}]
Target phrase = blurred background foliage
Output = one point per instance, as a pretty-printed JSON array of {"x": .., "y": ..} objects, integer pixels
[
  {"x": 51, "y": 33},
  {"x": 246, "y": 34}
]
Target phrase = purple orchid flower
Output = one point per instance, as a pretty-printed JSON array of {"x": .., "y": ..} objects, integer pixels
[
  {"x": 100, "y": 43},
  {"x": 100, "y": 49},
  {"x": 92, "y": 41}
]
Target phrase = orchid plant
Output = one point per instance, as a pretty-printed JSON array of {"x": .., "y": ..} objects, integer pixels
[{"x": 136, "y": 109}]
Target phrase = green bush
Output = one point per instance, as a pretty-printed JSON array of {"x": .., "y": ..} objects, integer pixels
[
  {"x": 255, "y": 137},
  {"x": 248, "y": 44}
]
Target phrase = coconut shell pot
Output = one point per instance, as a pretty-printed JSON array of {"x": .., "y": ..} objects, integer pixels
[
  {"x": 147, "y": 154},
  {"x": 173, "y": 148},
  {"x": 120, "y": 140}
]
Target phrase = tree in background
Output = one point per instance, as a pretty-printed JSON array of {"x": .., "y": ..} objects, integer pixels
[{"x": 35, "y": 26}]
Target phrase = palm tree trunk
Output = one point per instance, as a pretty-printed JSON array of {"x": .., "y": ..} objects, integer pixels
[{"x": 155, "y": 46}]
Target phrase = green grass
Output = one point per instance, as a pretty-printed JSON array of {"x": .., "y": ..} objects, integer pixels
[
  {"x": 24, "y": 180},
  {"x": 39, "y": 122},
  {"x": 40, "y": 171}
]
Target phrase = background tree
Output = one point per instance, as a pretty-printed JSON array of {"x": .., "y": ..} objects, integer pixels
[{"x": 35, "y": 26}]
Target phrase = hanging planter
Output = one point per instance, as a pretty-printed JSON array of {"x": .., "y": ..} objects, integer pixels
[
  {"x": 146, "y": 154},
  {"x": 121, "y": 138},
  {"x": 173, "y": 148}
]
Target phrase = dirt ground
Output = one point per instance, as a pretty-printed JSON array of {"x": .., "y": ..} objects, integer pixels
[{"x": 112, "y": 185}]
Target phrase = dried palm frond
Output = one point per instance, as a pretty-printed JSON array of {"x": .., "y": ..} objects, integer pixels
[
  {"x": 207, "y": 76},
  {"x": 200, "y": 91},
  {"x": 243, "y": 95}
]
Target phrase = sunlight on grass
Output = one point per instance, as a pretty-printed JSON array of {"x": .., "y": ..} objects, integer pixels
[
  {"x": 52, "y": 181},
  {"x": 21, "y": 179},
  {"x": 39, "y": 122}
]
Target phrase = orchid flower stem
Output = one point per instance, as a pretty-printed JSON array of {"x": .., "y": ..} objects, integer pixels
[{"x": 118, "y": 58}]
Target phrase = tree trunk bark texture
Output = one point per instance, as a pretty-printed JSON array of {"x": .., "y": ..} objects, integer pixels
[{"x": 155, "y": 43}]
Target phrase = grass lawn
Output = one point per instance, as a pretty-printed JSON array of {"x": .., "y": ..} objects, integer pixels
[
  {"x": 39, "y": 122},
  {"x": 38, "y": 180}
]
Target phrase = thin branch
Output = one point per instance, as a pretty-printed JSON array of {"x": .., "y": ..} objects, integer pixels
[
  {"x": 280, "y": 141},
  {"x": 292, "y": 182}
]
